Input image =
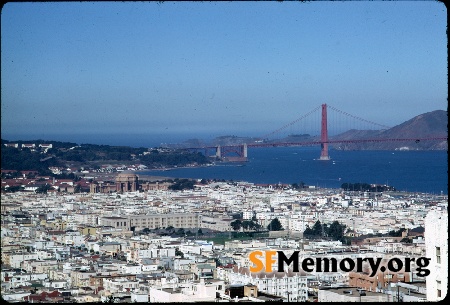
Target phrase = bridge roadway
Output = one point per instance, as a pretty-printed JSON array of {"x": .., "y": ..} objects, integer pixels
[
  {"x": 241, "y": 149},
  {"x": 286, "y": 144}
]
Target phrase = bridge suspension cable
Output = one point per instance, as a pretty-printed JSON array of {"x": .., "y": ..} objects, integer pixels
[
  {"x": 358, "y": 118},
  {"x": 291, "y": 123}
]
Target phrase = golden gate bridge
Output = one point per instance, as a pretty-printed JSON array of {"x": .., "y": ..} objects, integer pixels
[{"x": 239, "y": 152}]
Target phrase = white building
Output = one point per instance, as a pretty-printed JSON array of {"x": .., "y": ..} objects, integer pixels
[
  {"x": 298, "y": 222},
  {"x": 215, "y": 223},
  {"x": 136, "y": 255},
  {"x": 16, "y": 259},
  {"x": 202, "y": 291},
  {"x": 247, "y": 215},
  {"x": 138, "y": 297},
  {"x": 115, "y": 285},
  {"x": 350, "y": 294},
  {"x": 436, "y": 243},
  {"x": 289, "y": 285},
  {"x": 131, "y": 269},
  {"x": 86, "y": 219}
]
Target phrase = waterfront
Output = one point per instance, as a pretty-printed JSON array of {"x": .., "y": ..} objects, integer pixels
[{"x": 409, "y": 171}]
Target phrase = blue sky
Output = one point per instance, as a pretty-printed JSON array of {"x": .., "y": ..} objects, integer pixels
[{"x": 215, "y": 68}]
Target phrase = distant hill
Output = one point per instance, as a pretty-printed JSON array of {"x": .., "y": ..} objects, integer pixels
[
  {"x": 232, "y": 140},
  {"x": 430, "y": 124},
  {"x": 222, "y": 140}
]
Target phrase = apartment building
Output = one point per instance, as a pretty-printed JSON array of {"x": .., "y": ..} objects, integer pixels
[
  {"x": 176, "y": 220},
  {"x": 350, "y": 294},
  {"x": 198, "y": 291},
  {"x": 115, "y": 222},
  {"x": 152, "y": 221},
  {"x": 290, "y": 285},
  {"x": 80, "y": 278},
  {"x": 115, "y": 285},
  {"x": 436, "y": 243},
  {"x": 15, "y": 259}
]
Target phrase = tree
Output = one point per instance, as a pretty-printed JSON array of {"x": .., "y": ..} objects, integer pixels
[
  {"x": 179, "y": 253},
  {"x": 397, "y": 233},
  {"x": 250, "y": 225},
  {"x": 182, "y": 184},
  {"x": 43, "y": 189},
  {"x": 308, "y": 231},
  {"x": 13, "y": 189},
  {"x": 406, "y": 240},
  {"x": 236, "y": 225},
  {"x": 275, "y": 225},
  {"x": 237, "y": 215},
  {"x": 336, "y": 230},
  {"x": 110, "y": 299},
  {"x": 317, "y": 228}
]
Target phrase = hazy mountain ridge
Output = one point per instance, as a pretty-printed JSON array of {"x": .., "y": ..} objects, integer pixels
[{"x": 430, "y": 124}]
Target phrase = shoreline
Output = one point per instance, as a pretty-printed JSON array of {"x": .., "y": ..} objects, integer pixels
[{"x": 154, "y": 178}]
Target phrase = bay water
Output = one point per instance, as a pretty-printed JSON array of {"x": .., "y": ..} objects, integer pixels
[{"x": 409, "y": 171}]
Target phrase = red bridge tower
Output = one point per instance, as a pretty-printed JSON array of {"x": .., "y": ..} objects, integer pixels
[{"x": 324, "y": 135}]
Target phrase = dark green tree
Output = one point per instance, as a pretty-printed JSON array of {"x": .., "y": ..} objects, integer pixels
[
  {"x": 179, "y": 253},
  {"x": 308, "y": 231},
  {"x": 317, "y": 228},
  {"x": 43, "y": 189},
  {"x": 406, "y": 240},
  {"x": 275, "y": 225},
  {"x": 336, "y": 230},
  {"x": 236, "y": 224}
]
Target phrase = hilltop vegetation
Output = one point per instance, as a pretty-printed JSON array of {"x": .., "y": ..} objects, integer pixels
[
  {"x": 62, "y": 154},
  {"x": 15, "y": 159}
]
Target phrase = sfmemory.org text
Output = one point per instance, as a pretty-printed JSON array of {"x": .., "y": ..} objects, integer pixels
[{"x": 263, "y": 261}]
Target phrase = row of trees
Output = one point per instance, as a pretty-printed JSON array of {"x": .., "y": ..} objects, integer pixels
[
  {"x": 92, "y": 152},
  {"x": 274, "y": 225},
  {"x": 335, "y": 231},
  {"x": 182, "y": 184},
  {"x": 246, "y": 225},
  {"x": 365, "y": 187},
  {"x": 297, "y": 186},
  {"x": 16, "y": 159},
  {"x": 171, "y": 159},
  {"x": 25, "y": 159},
  {"x": 397, "y": 233}
]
